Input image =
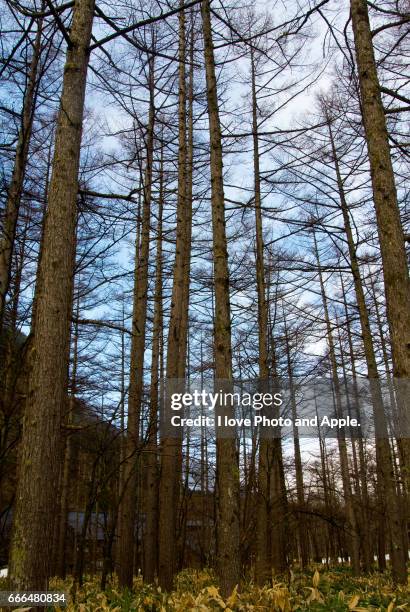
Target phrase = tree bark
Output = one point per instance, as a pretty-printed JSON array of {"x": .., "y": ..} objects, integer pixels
[
  {"x": 151, "y": 462},
  {"x": 171, "y": 447},
  {"x": 228, "y": 564},
  {"x": 263, "y": 507},
  {"x": 67, "y": 465},
  {"x": 395, "y": 271},
  {"x": 391, "y": 236},
  {"x": 270, "y": 451},
  {"x": 38, "y": 471},
  {"x": 384, "y": 462},
  {"x": 278, "y": 516}
]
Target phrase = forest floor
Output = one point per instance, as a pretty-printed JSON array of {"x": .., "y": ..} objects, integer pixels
[{"x": 317, "y": 590}]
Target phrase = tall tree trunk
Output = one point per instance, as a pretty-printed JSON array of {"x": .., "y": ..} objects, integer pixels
[
  {"x": 41, "y": 246},
  {"x": 384, "y": 461},
  {"x": 171, "y": 447},
  {"x": 268, "y": 513},
  {"x": 11, "y": 372},
  {"x": 228, "y": 564},
  {"x": 39, "y": 470},
  {"x": 327, "y": 496},
  {"x": 300, "y": 495},
  {"x": 401, "y": 442},
  {"x": 184, "y": 331},
  {"x": 263, "y": 507},
  {"x": 67, "y": 463},
  {"x": 395, "y": 271},
  {"x": 151, "y": 462},
  {"x": 19, "y": 170},
  {"x": 279, "y": 535},
  {"x": 391, "y": 237},
  {"x": 387, "y": 372},
  {"x": 341, "y": 440},
  {"x": 366, "y": 538},
  {"x": 127, "y": 508},
  {"x": 205, "y": 514}
]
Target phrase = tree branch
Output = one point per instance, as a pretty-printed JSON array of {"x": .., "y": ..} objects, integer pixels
[{"x": 140, "y": 24}]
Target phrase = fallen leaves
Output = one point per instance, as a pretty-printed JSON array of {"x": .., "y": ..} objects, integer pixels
[{"x": 197, "y": 591}]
